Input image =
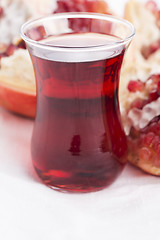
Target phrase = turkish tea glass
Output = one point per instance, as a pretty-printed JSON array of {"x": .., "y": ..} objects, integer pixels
[{"x": 78, "y": 142}]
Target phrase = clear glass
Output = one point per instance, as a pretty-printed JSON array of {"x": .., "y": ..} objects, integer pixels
[{"x": 78, "y": 142}]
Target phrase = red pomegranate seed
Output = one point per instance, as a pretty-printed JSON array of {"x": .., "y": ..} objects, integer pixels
[
  {"x": 134, "y": 133},
  {"x": 149, "y": 50},
  {"x": 1, "y": 12},
  {"x": 37, "y": 33},
  {"x": 158, "y": 18},
  {"x": 155, "y": 161},
  {"x": 10, "y": 50},
  {"x": 144, "y": 153},
  {"x": 137, "y": 103},
  {"x": 152, "y": 6},
  {"x": 155, "y": 143},
  {"x": 148, "y": 139},
  {"x": 153, "y": 96},
  {"x": 158, "y": 87},
  {"x": 158, "y": 151},
  {"x": 21, "y": 44},
  {"x": 155, "y": 78},
  {"x": 135, "y": 86}
]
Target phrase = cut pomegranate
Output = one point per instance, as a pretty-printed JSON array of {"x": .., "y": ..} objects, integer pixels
[
  {"x": 19, "y": 102},
  {"x": 22, "y": 99},
  {"x": 144, "y": 143},
  {"x": 153, "y": 92}
]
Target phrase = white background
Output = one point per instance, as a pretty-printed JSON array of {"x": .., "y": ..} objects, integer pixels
[{"x": 129, "y": 209}]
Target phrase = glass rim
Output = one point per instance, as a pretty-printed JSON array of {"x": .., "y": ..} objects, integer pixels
[{"x": 86, "y": 15}]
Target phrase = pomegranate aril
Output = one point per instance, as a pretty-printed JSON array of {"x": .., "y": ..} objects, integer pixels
[
  {"x": 37, "y": 33},
  {"x": 10, "y": 50},
  {"x": 21, "y": 44},
  {"x": 158, "y": 18},
  {"x": 147, "y": 51},
  {"x": 144, "y": 153},
  {"x": 134, "y": 134},
  {"x": 144, "y": 144},
  {"x": 158, "y": 151},
  {"x": 153, "y": 96},
  {"x": 155, "y": 78},
  {"x": 135, "y": 86},
  {"x": 158, "y": 87},
  {"x": 156, "y": 161},
  {"x": 1, "y": 12},
  {"x": 152, "y": 6},
  {"x": 41, "y": 31},
  {"x": 148, "y": 139},
  {"x": 137, "y": 103},
  {"x": 155, "y": 143}
]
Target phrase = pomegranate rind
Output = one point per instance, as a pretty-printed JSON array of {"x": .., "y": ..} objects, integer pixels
[
  {"x": 147, "y": 32},
  {"x": 17, "y": 81},
  {"x": 19, "y": 102},
  {"x": 145, "y": 166},
  {"x": 17, "y": 84}
]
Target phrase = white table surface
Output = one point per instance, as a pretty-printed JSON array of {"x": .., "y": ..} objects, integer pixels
[{"x": 129, "y": 209}]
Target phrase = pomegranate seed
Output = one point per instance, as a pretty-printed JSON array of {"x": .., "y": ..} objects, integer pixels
[
  {"x": 147, "y": 51},
  {"x": 156, "y": 161},
  {"x": 21, "y": 44},
  {"x": 153, "y": 96},
  {"x": 155, "y": 78},
  {"x": 37, "y": 33},
  {"x": 144, "y": 153},
  {"x": 152, "y": 6},
  {"x": 158, "y": 18},
  {"x": 1, "y": 12},
  {"x": 137, "y": 103},
  {"x": 10, "y": 50},
  {"x": 155, "y": 143},
  {"x": 148, "y": 139},
  {"x": 158, "y": 87},
  {"x": 135, "y": 86},
  {"x": 134, "y": 133},
  {"x": 152, "y": 127},
  {"x": 42, "y": 31}
]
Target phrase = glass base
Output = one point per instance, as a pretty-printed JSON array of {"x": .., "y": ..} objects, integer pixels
[{"x": 87, "y": 185}]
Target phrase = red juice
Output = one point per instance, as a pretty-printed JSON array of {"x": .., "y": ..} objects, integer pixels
[{"x": 78, "y": 142}]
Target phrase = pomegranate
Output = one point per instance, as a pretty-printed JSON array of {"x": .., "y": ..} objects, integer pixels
[
  {"x": 17, "y": 84},
  {"x": 144, "y": 134}
]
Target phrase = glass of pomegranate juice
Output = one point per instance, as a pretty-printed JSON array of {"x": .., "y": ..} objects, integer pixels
[{"x": 78, "y": 143}]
